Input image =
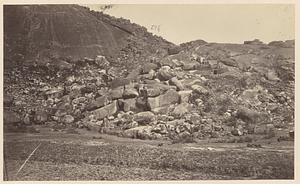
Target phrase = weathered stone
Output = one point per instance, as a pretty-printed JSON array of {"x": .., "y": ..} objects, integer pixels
[
  {"x": 67, "y": 119},
  {"x": 120, "y": 82},
  {"x": 199, "y": 89},
  {"x": 147, "y": 67},
  {"x": 149, "y": 76},
  {"x": 141, "y": 132},
  {"x": 174, "y": 81},
  {"x": 41, "y": 116},
  {"x": 144, "y": 117},
  {"x": 130, "y": 93},
  {"x": 191, "y": 65},
  {"x": 170, "y": 97},
  {"x": 128, "y": 105},
  {"x": 185, "y": 96},
  {"x": 251, "y": 116},
  {"x": 180, "y": 110},
  {"x": 134, "y": 74},
  {"x": 106, "y": 111},
  {"x": 153, "y": 91},
  {"x": 99, "y": 102},
  {"x": 160, "y": 128},
  {"x": 272, "y": 76},
  {"x": 229, "y": 62},
  {"x": 117, "y": 93},
  {"x": 161, "y": 110},
  {"x": 164, "y": 74}
]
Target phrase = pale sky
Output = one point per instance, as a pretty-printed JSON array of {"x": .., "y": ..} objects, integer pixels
[{"x": 212, "y": 23}]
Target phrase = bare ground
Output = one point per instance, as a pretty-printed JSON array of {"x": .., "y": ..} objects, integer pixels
[{"x": 88, "y": 156}]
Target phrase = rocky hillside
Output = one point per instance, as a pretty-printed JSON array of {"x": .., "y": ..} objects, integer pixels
[
  {"x": 42, "y": 32},
  {"x": 197, "y": 90}
]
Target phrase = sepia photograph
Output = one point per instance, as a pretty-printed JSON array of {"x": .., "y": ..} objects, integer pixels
[{"x": 148, "y": 92}]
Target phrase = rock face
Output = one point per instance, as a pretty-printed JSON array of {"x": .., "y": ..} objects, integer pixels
[
  {"x": 96, "y": 37},
  {"x": 106, "y": 111},
  {"x": 170, "y": 97}
]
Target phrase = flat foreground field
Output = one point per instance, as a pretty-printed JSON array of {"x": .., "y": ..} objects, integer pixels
[{"x": 88, "y": 156}]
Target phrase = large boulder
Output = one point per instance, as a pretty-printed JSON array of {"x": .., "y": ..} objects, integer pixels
[
  {"x": 170, "y": 97},
  {"x": 165, "y": 73},
  {"x": 141, "y": 132},
  {"x": 117, "y": 93},
  {"x": 120, "y": 82},
  {"x": 153, "y": 91},
  {"x": 127, "y": 105},
  {"x": 174, "y": 81},
  {"x": 229, "y": 62},
  {"x": 271, "y": 75},
  {"x": 67, "y": 119},
  {"x": 251, "y": 116},
  {"x": 144, "y": 118},
  {"x": 99, "y": 102},
  {"x": 106, "y": 111}
]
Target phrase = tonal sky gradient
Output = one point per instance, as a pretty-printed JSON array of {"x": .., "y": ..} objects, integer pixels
[{"x": 212, "y": 23}]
